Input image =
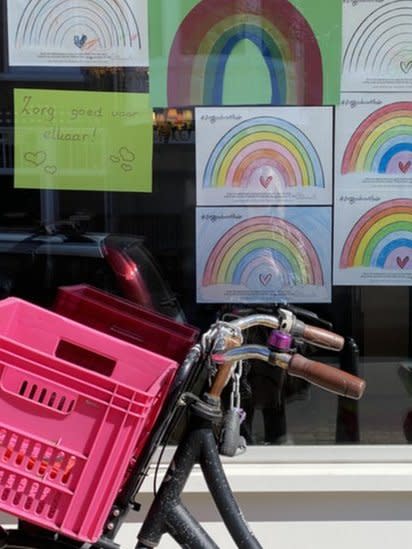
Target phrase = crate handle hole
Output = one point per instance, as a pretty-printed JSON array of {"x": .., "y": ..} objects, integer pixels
[{"x": 85, "y": 358}]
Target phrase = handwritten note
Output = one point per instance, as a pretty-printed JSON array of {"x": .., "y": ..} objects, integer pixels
[{"x": 76, "y": 140}]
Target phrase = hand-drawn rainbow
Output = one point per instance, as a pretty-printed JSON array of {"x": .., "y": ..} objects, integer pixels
[
  {"x": 84, "y": 24},
  {"x": 382, "y": 143},
  {"x": 381, "y": 44},
  {"x": 382, "y": 238},
  {"x": 264, "y": 149},
  {"x": 213, "y": 28},
  {"x": 263, "y": 249}
]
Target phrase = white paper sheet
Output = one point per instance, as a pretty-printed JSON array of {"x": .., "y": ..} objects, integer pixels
[
  {"x": 89, "y": 33},
  {"x": 373, "y": 239},
  {"x": 264, "y": 155},
  {"x": 374, "y": 142},
  {"x": 263, "y": 255},
  {"x": 377, "y": 45}
]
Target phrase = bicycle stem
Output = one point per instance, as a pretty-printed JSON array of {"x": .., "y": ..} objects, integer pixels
[{"x": 224, "y": 371}]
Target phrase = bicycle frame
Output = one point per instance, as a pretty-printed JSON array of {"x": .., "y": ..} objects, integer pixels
[{"x": 168, "y": 514}]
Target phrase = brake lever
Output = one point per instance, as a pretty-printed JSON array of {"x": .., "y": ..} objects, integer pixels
[{"x": 310, "y": 316}]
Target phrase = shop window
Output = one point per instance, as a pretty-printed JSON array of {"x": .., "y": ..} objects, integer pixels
[{"x": 163, "y": 222}]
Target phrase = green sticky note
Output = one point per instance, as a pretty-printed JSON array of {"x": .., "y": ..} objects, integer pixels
[
  {"x": 245, "y": 52},
  {"x": 76, "y": 140}
]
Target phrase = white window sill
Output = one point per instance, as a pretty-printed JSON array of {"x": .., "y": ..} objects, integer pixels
[{"x": 309, "y": 469}]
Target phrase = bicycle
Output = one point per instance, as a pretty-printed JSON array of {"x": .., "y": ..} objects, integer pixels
[{"x": 218, "y": 352}]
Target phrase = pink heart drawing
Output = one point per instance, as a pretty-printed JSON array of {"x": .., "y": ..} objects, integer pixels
[
  {"x": 404, "y": 167},
  {"x": 402, "y": 262},
  {"x": 265, "y": 181},
  {"x": 265, "y": 279}
]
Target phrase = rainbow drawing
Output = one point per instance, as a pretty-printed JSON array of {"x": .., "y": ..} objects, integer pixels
[
  {"x": 263, "y": 150},
  {"x": 263, "y": 250},
  {"x": 382, "y": 42},
  {"x": 382, "y": 143},
  {"x": 382, "y": 238},
  {"x": 213, "y": 28},
  {"x": 81, "y": 26}
]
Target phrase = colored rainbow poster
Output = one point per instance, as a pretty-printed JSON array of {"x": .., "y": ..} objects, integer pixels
[
  {"x": 245, "y": 52},
  {"x": 373, "y": 240},
  {"x": 87, "y": 33},
  {"x": 374, "y": 142},
  {"x": 264, "y": 255},
  {"x": 264, "y": 155},
  {"x": 377, "y": 46}
]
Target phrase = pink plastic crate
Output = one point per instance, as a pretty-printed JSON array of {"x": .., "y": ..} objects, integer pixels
[
  {"x": 67, "y": 433},
  {"x": 130, "y": 322},
  {"x": 126, "y": 320}
]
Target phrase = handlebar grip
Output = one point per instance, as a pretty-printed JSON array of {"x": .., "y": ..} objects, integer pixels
[
  {"x": 323, "y": 338},
  {"x": 327, "y": 377}
]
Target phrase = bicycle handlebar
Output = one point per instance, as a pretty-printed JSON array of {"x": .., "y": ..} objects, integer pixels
[
  {"x": 325, "y": 376},
  {"x": 288, "y": 322}
]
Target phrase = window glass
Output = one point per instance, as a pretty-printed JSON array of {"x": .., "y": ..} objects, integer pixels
[{"x": 52, "y": 238}]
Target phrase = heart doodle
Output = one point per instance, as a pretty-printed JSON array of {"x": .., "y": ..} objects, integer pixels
[
  {"x": 51, "y": 170},
  {"x": 37, "y": 158},
  {"x": 126, "y": 155},
  {"x": 265, "y": 279},
  {"x": 80, "y": 41},
  {"x": 406, "y": 66},
  {"x": 127, "y": 167},
  {"x": 404, "y": 167},
  {"x": 402, "y": 261},
  {"x": 265, "y": 181}
]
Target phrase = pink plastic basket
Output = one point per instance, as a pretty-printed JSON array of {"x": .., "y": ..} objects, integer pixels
[
  {"x": 126, "y": 320},
  {"x": 130, "y": 322},
  {"x": 67, "y": 433}
]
